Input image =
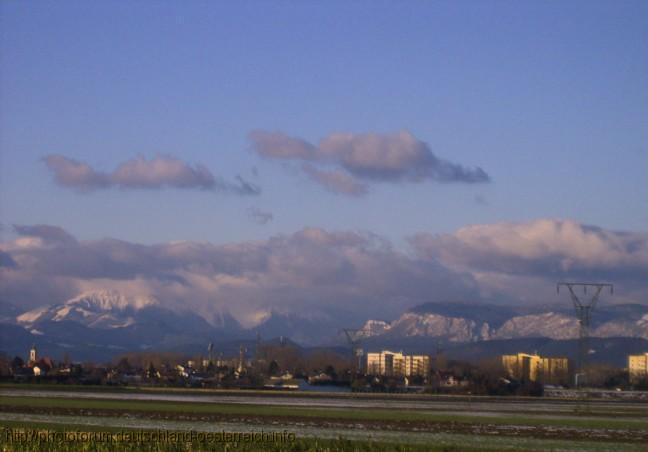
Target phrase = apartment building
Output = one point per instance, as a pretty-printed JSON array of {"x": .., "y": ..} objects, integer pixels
[
  {"x": 523, "y": 366},
  {"x": 388, "y": 363},
  {"x": 637, "y": 367}
]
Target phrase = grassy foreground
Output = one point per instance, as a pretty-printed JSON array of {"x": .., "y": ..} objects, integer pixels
[
  {"x": 314, "y": 428},
  {"x": 297, "y": 445},
  {"x": 261, "y": 411},
  {"x": 445, "y": 443}
]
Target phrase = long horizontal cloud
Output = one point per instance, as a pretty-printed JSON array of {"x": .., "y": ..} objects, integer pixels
[
  {"x": 141, "y": 173},
  {"x": 538, "y": 253},
  {"x": 541, "y": 245},
  {"x": 311, "y": 271},
  {"x": 350, "y": 275},
  {"x": 357, "y": 159}
]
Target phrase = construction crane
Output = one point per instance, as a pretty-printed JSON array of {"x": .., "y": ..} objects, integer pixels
[
  {"x": 210, "y": 350},
  {"x": 354, "y": 340},
  {"x": 584, "y": 313},
  {"x": 257, "y": 347},
  {"x": 241, "y": 361},
  {"x": 439, "y": 363}
]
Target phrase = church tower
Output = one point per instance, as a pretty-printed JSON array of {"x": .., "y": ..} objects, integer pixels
[{"x": 32, "y": 354}]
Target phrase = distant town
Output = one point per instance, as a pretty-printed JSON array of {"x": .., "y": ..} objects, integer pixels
[{"x": 278, "y": 365}]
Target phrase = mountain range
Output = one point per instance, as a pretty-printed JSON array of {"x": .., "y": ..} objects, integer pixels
[
  {"x": 98, "y": 325},
  {"x": 461, "y": 322}
]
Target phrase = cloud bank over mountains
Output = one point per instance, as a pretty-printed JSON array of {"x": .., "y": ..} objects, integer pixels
[
  {"x": 524, "y": 257},
  {"x": 140, "y": 173},
  {"x": 347, "y": 163},
  {"x": 350, "y": 275},
  {"x": 312, "y": 271},
  {"x": 541, "y": 247}
]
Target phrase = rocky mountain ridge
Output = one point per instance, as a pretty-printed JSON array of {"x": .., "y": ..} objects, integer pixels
[
  {"x": 431, "y": 321},
  {"x": 107, "y": 323}
]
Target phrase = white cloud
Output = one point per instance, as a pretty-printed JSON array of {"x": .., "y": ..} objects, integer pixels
[
  {"x": 310, "y": 271},
  {"x": 141, "y": 173},
  {"x": 358, "y": 159},
  {"x": 519, "y": 259},
  {"x": 348, "y": 274}
]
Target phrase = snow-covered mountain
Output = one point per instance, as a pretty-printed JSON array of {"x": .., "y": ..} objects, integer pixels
[
  {"x": 110, "y": 323},
  {"x": 625, "y": 328},
  {"x": 104, "y": 323},
  {"x": 97, "y": 309},
  {"x": 455, "y": 329},
  {"x": 374, "y": 328},
  {"x": 547, "y": 324},
  {"x": 111, "y": 310},
  {"x": 468, "y": 323}
]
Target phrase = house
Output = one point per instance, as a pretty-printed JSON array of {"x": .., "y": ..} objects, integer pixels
[
  {"x": 42, "y": 367},
  {"x": 320, "y": 378},
  {"x": 448, "y": 380}
]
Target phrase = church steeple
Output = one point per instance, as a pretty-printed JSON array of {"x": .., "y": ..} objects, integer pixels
[{"x": 33, "y": 357}]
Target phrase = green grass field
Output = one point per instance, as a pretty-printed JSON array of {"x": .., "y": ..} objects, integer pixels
[
  {"x": 319, "y": 428},
  {"x": 298, "y": 445},
  {"x": 125, "y": 406},
  {"x": 446, "y": 443}
]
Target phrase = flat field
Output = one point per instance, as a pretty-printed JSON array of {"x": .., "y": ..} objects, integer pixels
[{"x": 316, "y": 422}]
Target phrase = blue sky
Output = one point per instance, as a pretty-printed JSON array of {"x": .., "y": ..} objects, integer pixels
[{"x": 549, "y": 98}]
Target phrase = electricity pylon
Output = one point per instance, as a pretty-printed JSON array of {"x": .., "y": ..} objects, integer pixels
[
  {"x": 354, "y": 341},
  {"x": 584, "y": 314}
]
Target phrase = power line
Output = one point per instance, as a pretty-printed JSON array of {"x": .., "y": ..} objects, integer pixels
[
  {"x": 584, "y": 313},
  {"x": 355, "y": 340}
]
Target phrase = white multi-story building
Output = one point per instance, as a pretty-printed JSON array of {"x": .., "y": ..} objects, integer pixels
[
  {"x": 536, "y": 368},
  {"x": 389, "y": 363},
  {"x": 638, "y": 367}
]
